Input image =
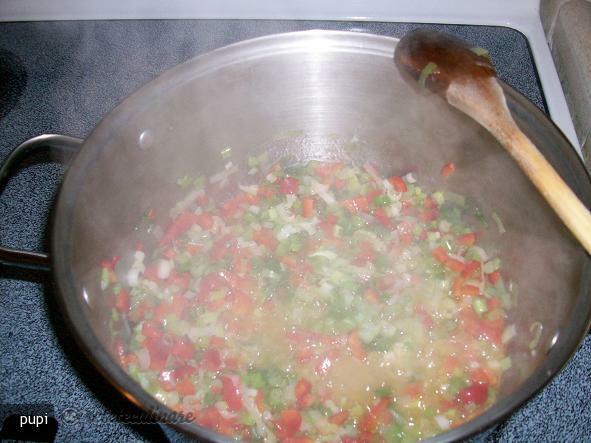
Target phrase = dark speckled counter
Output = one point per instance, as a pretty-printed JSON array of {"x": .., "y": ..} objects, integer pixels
[{"x": 63, "y": 77}]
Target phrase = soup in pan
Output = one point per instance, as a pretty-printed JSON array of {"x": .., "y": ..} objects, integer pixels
[{"x": 320, "y": 302}]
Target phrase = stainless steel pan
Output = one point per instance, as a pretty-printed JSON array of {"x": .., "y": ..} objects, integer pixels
[{"x": 308, "y": 94}]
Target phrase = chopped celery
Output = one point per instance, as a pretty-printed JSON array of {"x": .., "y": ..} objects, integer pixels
[
  {"x": 479, "y": 305},
  {"x": 383, "y": 391},
  {"x": 199, "y": 182},
  {"x": 480, "y": 216},
  {"x": 254, "y": 379},
  {"x": 382, "y": 200},
  {"x": 276, "y": 399},
  {"x": 393, "y": 433},
  {"x": 492, "y": 265},
  {"x": 253, "y": 162},
  {"x": 105, "y": 278},
  {"x": 429, "y": 69},
  {"x": 456, "y": 384},
  {"x": 184, "y": 182},
  {"x": 246, "y": 419},
  {"x": 439, "y": 197},
  {"x": 499, "y": 223},
  {"x": 226, "y": 153},
  {"x": 210, "y": 399},
  {"x": 483, "y": 52}
]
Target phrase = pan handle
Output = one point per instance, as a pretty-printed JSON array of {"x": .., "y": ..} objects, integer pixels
[{"x": 59, "y": 147}]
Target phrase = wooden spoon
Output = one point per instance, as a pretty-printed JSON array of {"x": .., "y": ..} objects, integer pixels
[{"x": 467, "y": 80}]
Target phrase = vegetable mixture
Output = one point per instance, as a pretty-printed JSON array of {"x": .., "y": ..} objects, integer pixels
[{"x": 322, "y": 302}]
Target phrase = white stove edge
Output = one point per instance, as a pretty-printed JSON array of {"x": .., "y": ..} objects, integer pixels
[{"x": 521, "y": 15}]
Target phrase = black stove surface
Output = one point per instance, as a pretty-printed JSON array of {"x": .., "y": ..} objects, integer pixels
[{"x": 63, "y": 77}]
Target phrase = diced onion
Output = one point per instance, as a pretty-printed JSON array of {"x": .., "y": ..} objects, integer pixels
[
  {"x": 252, "y": 189},
  {"x": 536, "y": 329},
  {"x": 328, "y": 254},
  {"x": 133, "y": 277},
  {"x": 323, "y": 192},
  {"x": 443, "y": 422},
  {"x": 286, "y": 231},
  {"x": 410, "y": 178},
  {"x": 143, "y": 358},
  {"x": 508, "y": 334},
  {"x": 164, "y": 268}
]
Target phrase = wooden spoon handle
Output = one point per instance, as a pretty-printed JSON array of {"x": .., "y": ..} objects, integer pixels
[
  {"x": 495, "y": 116},
  {"x": 556, "y": 192}
]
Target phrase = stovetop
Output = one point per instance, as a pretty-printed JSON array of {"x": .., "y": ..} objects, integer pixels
[{"x": 63, "y": 77}]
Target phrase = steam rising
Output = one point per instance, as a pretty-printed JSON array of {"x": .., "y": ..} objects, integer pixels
[{"x": 344, "y": 102}]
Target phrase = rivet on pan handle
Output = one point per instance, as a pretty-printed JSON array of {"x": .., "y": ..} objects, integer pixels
[{"x": 59, "y": 147}]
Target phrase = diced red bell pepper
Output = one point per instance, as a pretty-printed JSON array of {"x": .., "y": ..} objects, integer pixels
[
  {"x": 371, "y": 295},
  {"x": 339, "y": 184},
  {"x": 211, "y": 360},
  {"x": 221, "y": 247},
  {"x": 212, "y": 282},
  {"x": 264, "y": 237},
  {"x": 151, "y": 330},
  {"x": 182, "y": 349},
  {"x": 448, "y": 169},
  {"x": 356, "y": 346},
  {"x": 493, "y": 303},
  {"x": 185, "y": 387},
  {"x": 183, "y": 372},
  {"x": 481, "y": 376},
  {"x": 414, "y": 390},
  {"x": 383, "y": 218},
  {"x": 430, "y": 203},
  {"x": 289, "y": 423},
  {"x": 266, "y": 192},
  {"x": 242, "y": 304},
  {"x": 440, "y": 254},
  {"x": 470, "y": 269},
  {"x": 193, "y": 248},
  {"x": 493, "y": 277},
  {"x": 493, "y": 330},
  {"x": 357, "y": 204},
  {"x": 476, "y": 393},
  {"x": 326, "y": 169},
  {"x": 454, "y": 265},
  {"x": 398, "y": 184},
  {"x": 179, "y": 226},
  {"x": 122, "y": 301},
  {"x": 231, "y": 394},
  {"x": 367, "y": 424},
  {"x": 429, "y": 215},
  {"x": 467, "y": 239},
  {"x": 259, "y": 401},
  {"x": 340, "y": 418},
  {"x": 216, "y": 342},
  {"x": 159, "y": 351},
  {"x": 302, "y": 388},
  {"x": 308, "y": 207},
  {"x": 182, "y": 280},
  {"x": 204, "y": 220},
  {"x": 202, "y": 199},
  {"x": 289, "y": 185}
]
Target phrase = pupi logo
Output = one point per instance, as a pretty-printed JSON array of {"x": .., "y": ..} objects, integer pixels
[
  {"x": 33, "y": 420},
  {"x": 27, "y": 423}
]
